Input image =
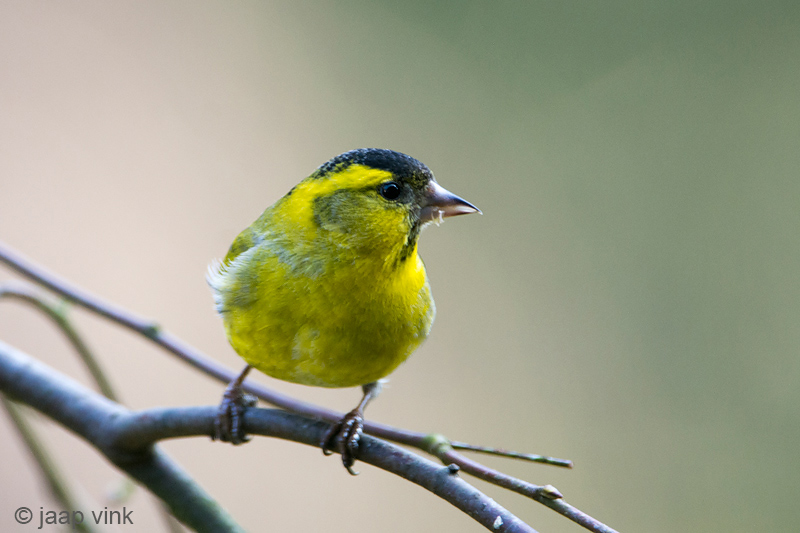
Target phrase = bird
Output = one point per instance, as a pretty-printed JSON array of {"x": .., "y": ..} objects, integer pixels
[{"x": 326, "y": 288}]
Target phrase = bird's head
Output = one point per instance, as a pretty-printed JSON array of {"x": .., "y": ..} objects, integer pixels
[{"x": 377, "y": 200}]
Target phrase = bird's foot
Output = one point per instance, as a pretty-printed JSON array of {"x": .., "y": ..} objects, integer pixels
[
  {"x": 344, "y": 436},
  {"x": 228, "y": 426}
]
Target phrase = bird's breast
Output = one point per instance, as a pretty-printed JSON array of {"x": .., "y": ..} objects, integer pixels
[{"x": 333, "y": 323}]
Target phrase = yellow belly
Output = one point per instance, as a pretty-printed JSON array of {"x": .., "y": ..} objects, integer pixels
[{"x": 323, "y": 324}]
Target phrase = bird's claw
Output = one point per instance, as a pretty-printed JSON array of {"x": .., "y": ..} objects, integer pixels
[
  {"x": 345, "y": 435},
  {"x": 228, "y": 426}
]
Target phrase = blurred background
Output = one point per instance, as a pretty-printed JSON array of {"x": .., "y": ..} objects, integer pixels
[{"x": 630, "y": 299}]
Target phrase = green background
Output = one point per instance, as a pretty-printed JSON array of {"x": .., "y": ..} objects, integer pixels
[{"x": 629, "y": 300}]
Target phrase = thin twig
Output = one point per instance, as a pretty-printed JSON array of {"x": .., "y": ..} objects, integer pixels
[
  {"x": 25, "y": 293},
  {"x": 532, "y": 457}
]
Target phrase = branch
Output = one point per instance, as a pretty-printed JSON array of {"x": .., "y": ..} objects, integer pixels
[
  {"x": 57, "y": 312},
  {"x": 436, "y": 445},
  {"x": 90, "y": 416},
  {"x": 55, "y": 480},
  {"x": 127, "y": 439}
]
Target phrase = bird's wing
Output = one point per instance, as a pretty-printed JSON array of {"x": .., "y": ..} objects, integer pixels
[{"x": 243, "y": 242}]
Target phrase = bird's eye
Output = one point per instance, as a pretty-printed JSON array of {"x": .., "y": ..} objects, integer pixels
[{"x": 390, "y": 190}]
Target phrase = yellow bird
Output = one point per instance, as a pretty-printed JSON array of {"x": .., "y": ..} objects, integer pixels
[{"x": 326, "y": 288}]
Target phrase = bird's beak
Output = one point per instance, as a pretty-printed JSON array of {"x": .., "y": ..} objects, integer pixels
[{"x": 438, "y": 203}]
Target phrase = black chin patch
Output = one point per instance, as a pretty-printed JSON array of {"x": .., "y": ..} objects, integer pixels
[{"x": 413, "y": 237}]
